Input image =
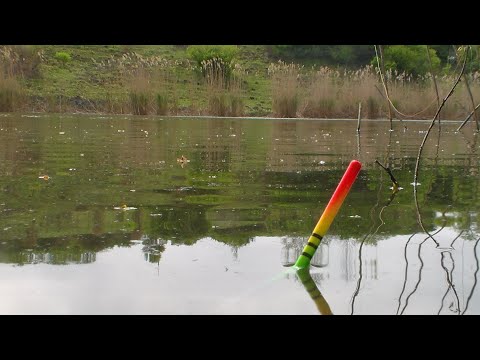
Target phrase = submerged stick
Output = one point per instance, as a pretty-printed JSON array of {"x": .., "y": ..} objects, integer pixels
[
  {"x": 395, "y": 182},
  {"x": 468, "y": 117},
  {"x": 471, "y": 99},
  {"x": 329, "y": 214},
  {"x": 359, "y": 116}
]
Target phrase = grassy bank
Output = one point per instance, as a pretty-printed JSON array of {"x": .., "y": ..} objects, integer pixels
[{"x": 163, "y": 80}]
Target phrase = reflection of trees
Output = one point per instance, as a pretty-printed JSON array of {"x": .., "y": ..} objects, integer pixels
[
  {"x": 183, "y": 225},
  {"x": 57, "y": 258},
  {"x": 293, "y": 247},
  {"x": 152, "y": 249},
  {"x": 234, "y": 189},
  {"x": 81, "y": 249}
]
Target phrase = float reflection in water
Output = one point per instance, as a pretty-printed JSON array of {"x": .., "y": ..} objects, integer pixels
[{"x": 313, "y": 291}]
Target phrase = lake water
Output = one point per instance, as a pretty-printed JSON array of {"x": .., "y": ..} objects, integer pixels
[{"x": 99, "y": 215}]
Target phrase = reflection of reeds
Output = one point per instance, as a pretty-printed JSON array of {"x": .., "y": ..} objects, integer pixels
[{"x": 335, "y": 93}]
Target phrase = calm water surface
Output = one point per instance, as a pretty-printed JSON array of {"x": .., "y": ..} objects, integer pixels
[{"x": 98, "y": 216}]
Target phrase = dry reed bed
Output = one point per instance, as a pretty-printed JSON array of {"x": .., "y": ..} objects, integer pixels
[{"x": 333, "y": 93}]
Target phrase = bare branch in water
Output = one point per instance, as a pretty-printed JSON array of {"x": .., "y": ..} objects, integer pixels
[
  {"x": 449, "y": 275},
  {"x": 417, "y": 164},
  {"x": 456, "y": 238},
  {"x": 474, "y": 276},
  {"x": 419, "y": 275},
  {"x": 372, "y": 212},
  {"x": 421, "y": 267},
  {"x": 406, "y": 272},
  {"x": 357, "y": 289}
]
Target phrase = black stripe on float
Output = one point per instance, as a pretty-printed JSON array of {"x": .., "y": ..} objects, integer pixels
[
  {"x": 317, "y": 236},
  {"x": 307, "y": 255},
  {"x": 312, "y": 245}
]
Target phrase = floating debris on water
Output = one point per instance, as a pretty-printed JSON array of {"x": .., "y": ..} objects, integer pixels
[
  {"x": 44, "y": 177},
  {"x": 355, "y": 216},
  {"x": 125, "y": 207},
  {"x": 182, "y": 160}
]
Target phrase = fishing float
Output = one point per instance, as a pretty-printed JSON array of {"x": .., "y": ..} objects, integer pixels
[{"x": 329, "y": 214}]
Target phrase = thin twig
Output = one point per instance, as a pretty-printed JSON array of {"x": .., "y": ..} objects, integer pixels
[
  {"x": 402, "y": 114},
  {"x": 468, "y": 117},
  {"x": 434, "y": 81},
  {"x": 468, "y": 88},
  {"x": 381, "y": 67}
]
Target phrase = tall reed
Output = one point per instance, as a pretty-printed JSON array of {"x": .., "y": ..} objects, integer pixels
[
  {"x": 285, "y": 88},
  {"x": 11, "y": 92},
  {"x": 224, "y": 85}
]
